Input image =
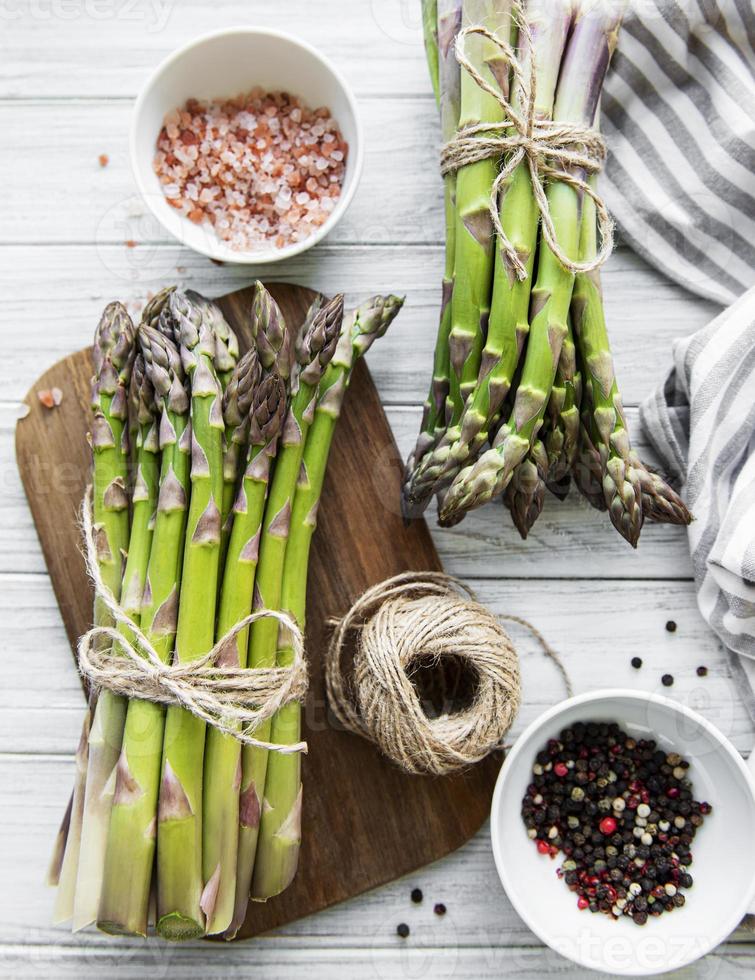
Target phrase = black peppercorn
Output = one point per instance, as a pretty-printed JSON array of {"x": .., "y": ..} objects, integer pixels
[
  {"x": 637, "y": 662},
  {"x": 416, "y": 895},
  {"x": 403, "y": 930},
  {"x": 440, "y": 909},
  {"x": 671, "y": 626},
  {"x": 667, "y": 680},
  {"x": 702, "y": 671}
]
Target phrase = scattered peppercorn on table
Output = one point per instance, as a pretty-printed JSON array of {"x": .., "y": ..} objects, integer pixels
[{"x": 70, "y": 245}]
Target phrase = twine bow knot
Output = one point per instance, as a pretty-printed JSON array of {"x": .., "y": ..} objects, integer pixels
[
  {"x": 552, "y": 150},
  {"x": 234, "y": 700}
]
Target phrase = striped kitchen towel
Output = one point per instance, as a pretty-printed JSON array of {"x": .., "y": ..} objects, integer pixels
[
  {"x": 702, "y": 423},
  {"x": 679, "y": 118}
]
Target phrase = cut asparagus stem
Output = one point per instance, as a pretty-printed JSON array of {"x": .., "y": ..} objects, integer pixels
[
  {"x": 313, "y": 353},
  {"x": 434, "y": 415},
  {"x": 58, "y": 853},
  {"x": 223, "y": 753},
  {"x": 508, "y": 327},
  {"x": 474, "y": 251},
  {"x": 591, "y": 43},
  {"x": 179, "y": 824},
  {"x": 113, "y": 355},
  {"x": 280, "y": 827},
  {"x": 130, "y": 852},
  {"x": 66, "y": 882}
]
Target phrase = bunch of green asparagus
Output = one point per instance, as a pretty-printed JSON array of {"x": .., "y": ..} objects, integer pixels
[
  {"x": 523, "y": 396},
  {"x": 207, "y": 474}
]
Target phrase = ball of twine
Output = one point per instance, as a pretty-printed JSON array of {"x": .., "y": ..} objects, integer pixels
[{"x": 409, "y": 622}]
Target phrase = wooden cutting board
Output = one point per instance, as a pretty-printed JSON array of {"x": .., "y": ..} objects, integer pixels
[{"x": 365, "y": 821}]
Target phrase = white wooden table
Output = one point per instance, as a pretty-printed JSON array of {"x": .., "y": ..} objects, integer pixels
[{"x": 69, "y": 70}]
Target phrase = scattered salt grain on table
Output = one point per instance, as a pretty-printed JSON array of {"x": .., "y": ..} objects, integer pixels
[
  {"x": 262, "y": 169},
  {"x": 51, "y": 397}
]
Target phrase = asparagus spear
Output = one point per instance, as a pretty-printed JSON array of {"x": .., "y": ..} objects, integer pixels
[
  {"x": 630, "y": 490},
  {"x": 313, "y": 354},
  {"x": 113, "y": 355},
  {"x": 449, "y": 82},
  {"x": 223, "y": 753},
  {"x": 549, "y": 24},
  {"x": 226, "y": 341},
  {"x": 274, "y": 352},
  {"x": 133, "y": 820},
  {"x": 660, "y": 502},
  {"x": 271, "y": 337},
  {"x": 179, "y": 853},
  {"x": 154, "y": 307},
  {"x": 226, "y": 358},
  {"x": 144, "y": 499},
  {"x": 237, "y": 401},
  {"x": 588, "y": 53},
  {"x": 474, "y": 251},
  {"x": 562, "y": 435},
  {"x": 280, "y": 825},
  {"x": 430, "y": 34},
  {"x": 587, "y": 468},
  {"x": 525, "y": 494},
  {"x": 621, "y": 487}
]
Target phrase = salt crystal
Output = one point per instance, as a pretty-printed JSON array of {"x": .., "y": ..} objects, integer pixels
[{"x": 233, "y": 164}]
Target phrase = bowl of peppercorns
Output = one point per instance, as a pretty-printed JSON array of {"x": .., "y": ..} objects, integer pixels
[{"x": 622, "y": 828}]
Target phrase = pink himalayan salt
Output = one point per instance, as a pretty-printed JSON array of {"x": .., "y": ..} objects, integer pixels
[{"x": 261, "y": 170}]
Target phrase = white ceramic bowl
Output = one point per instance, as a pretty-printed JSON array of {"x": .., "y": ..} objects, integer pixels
[
  {"x": 221, "y": 65},
  {"x": 723, "y": 850}
]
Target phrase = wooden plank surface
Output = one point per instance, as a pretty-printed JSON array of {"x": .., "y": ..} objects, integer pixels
[
  {"x": 625, "y": 618},
  {"x": 52, "y": 297},
  {"x": 68, "y": 74},
  {"x": 358, "y": 543}
]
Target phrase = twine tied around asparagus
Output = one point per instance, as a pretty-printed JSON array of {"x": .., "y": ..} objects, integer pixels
[
  {"x": 552, "y": 150},
  {"x": 234, "y": 700},
  {"x": 426, "y": 619}
]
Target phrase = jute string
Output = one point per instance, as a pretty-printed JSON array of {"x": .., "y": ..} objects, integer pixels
[
  {"x": 552, "y": 150},
  {"x": 234, "y": 700},
  {"x": 419, "y": 619}
]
